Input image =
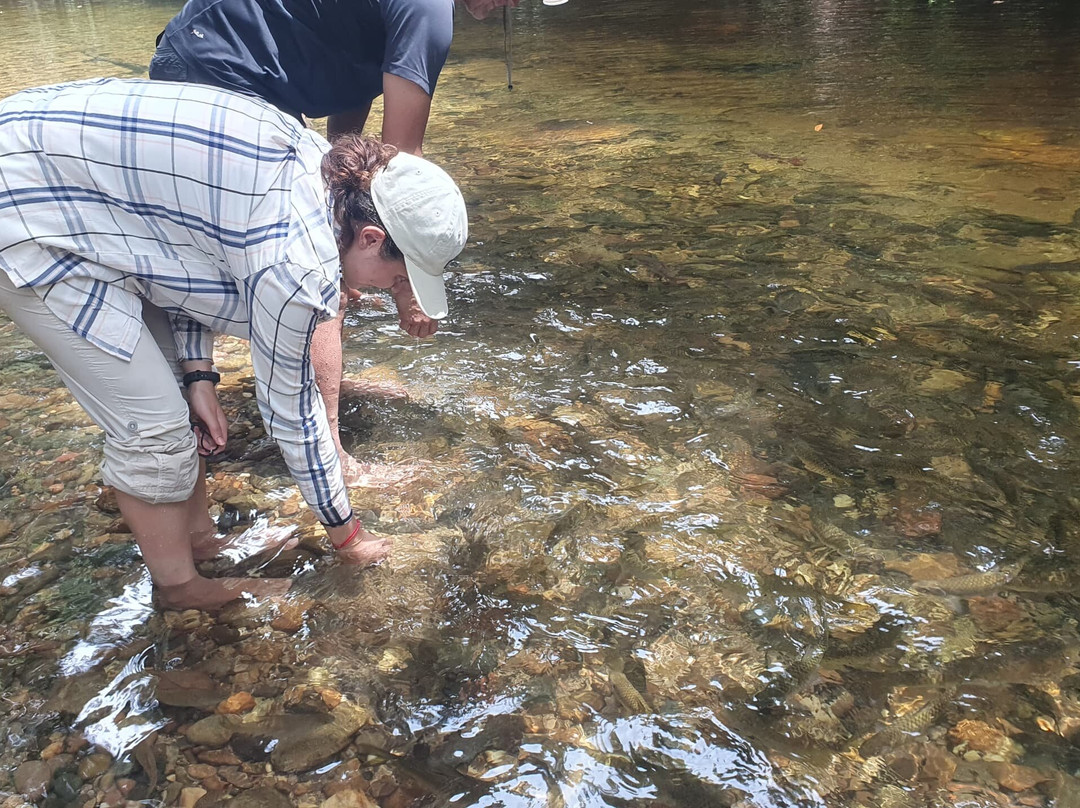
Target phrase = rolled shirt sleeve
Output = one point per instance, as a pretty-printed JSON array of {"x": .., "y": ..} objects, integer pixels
[
  {"x": 193, "y": 339},
  {"x": 286, "y": 302}
]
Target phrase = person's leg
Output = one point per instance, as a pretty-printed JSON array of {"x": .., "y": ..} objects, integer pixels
[
  {"x": 150, "y": 453},
  {"x": 160, "y": 530},
  {"x": 326, "y": 358},
  {"x": 200, "y": 526},
  {"x": 206, "y": 542}
]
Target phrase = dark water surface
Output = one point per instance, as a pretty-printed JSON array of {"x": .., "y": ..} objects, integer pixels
[{"x": 742, "y": 474}]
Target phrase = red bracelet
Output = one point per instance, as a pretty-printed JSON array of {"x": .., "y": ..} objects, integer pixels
[{"x": 348, "y": 541}]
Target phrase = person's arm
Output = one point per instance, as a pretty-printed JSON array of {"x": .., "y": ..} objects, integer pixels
[
  {"x": 406, "y": 107},
  {"x": 285, "y": 304},
  {"x": 195, "y": 350},
  {"x": 351, "y": 120}
]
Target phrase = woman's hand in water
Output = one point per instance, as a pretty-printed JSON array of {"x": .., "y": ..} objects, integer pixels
[
  {"x": 411, "y": 319},
  {"x": 211, "y": 426}
]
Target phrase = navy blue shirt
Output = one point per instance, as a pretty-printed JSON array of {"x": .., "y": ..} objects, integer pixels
[{"x": 316, "y": 57}]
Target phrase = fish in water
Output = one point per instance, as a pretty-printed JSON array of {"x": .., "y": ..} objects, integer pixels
[
  {"x": 630, "y": 696},
  {"x": 883, "y": 634},
  {"x": 976, "y": 583},
  {"x": 915, "y": 721},
  {"x": 796, "y": 673}
]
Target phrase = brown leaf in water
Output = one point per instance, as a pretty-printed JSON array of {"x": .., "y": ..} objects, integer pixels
[
  {"x": 144, "y": 753},
  {"x": 723, "y": 339},
  {"x": 992, "y": 392},
  {"x": 819, "y": 127},
  {"x": 981, "y": 737}
]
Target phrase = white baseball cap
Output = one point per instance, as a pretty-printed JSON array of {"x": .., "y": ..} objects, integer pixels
[{"x": 424, "y": 213}]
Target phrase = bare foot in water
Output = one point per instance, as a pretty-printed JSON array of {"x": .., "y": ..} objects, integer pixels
[
  {"x": 210, "y": 594},
  {"x": 207, "y": 546},
  {"x": 366, "y": 549}
]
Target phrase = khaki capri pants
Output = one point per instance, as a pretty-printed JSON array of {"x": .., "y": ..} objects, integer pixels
[{"x": 150, "y": 450}]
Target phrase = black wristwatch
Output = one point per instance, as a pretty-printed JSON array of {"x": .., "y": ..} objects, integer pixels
[{"x": 201, "y": 376}]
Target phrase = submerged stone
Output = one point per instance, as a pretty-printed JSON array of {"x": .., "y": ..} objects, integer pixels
[
  {"x": 300, "y": 751},
  {"x": 66, "y": 785},
  {"x": 214, "y": 730},
  {"x": 32, "y": 778}
]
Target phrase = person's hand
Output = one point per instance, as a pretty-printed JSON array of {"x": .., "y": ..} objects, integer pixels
[
  {"x": 377, "y": 302},
  {"x": 211, "y": 426},
  {"x": 412, "y": 320}
]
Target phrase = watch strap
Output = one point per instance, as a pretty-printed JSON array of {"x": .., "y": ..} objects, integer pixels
[{"x": 201, "y": 376}]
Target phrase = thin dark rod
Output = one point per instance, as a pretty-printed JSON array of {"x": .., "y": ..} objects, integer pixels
[{"x": 508, "y": 46}]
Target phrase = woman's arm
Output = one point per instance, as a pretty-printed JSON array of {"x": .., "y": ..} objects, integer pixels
[
  {"x": 285, "y": 303},
  {"x": 195, "y": 349}
]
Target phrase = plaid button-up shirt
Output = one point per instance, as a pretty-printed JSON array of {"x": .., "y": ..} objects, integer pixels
[{"x": 206, "y": 203}]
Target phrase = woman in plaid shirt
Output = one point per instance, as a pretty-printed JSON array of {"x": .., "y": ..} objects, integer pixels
[{"x": 127, "y": 202}]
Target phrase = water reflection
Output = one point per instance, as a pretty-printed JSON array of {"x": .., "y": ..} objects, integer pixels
[{"x": 742, "y": 473}]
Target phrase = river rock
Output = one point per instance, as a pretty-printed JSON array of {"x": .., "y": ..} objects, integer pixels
[
  {"x": 32, "y": 778},
  {"x": 218, "y": 757},
  {"x": 349, "y": 799},
  {"x": 190, "y": 796},
  {"x": 66, "y": 785},
  {"x": 1013, "y": 777},
  {"x": 200, "y": 771},
  {"x": 94, "y": 764},
  {"x": 214, "y": 730},
  {"x": 300, "y": 751},
  {"x": 260, "y": 798},
  {"x": 241, "y": 702},
  {"x": 938, "y": 765}
]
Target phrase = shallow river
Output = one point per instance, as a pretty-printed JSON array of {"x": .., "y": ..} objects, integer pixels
[{"x": 742, "y": 474}]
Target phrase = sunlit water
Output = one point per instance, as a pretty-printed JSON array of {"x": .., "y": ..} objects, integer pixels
[{"x": 741, "y": 474}]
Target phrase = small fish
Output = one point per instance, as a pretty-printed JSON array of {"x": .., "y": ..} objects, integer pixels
[
  {"x": 794, "y": 675},
  {"x": 915, "y": 721},
  {"x": 627, "y": 693},
  {"x": 818, "y": 468},
  {"x": 883, "y": 634},
  {"x": 974, "y": 584},
  {"x": 832, "y": 536},
  {"x": 649, "y": 522},
  {"x": 840, "y": 541}
]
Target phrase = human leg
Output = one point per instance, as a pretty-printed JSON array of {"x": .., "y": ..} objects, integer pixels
[
  {"x": 150, "y": 456},
  {"x": 203, "y": 535},
  {"x": 161, "y": 532}
]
